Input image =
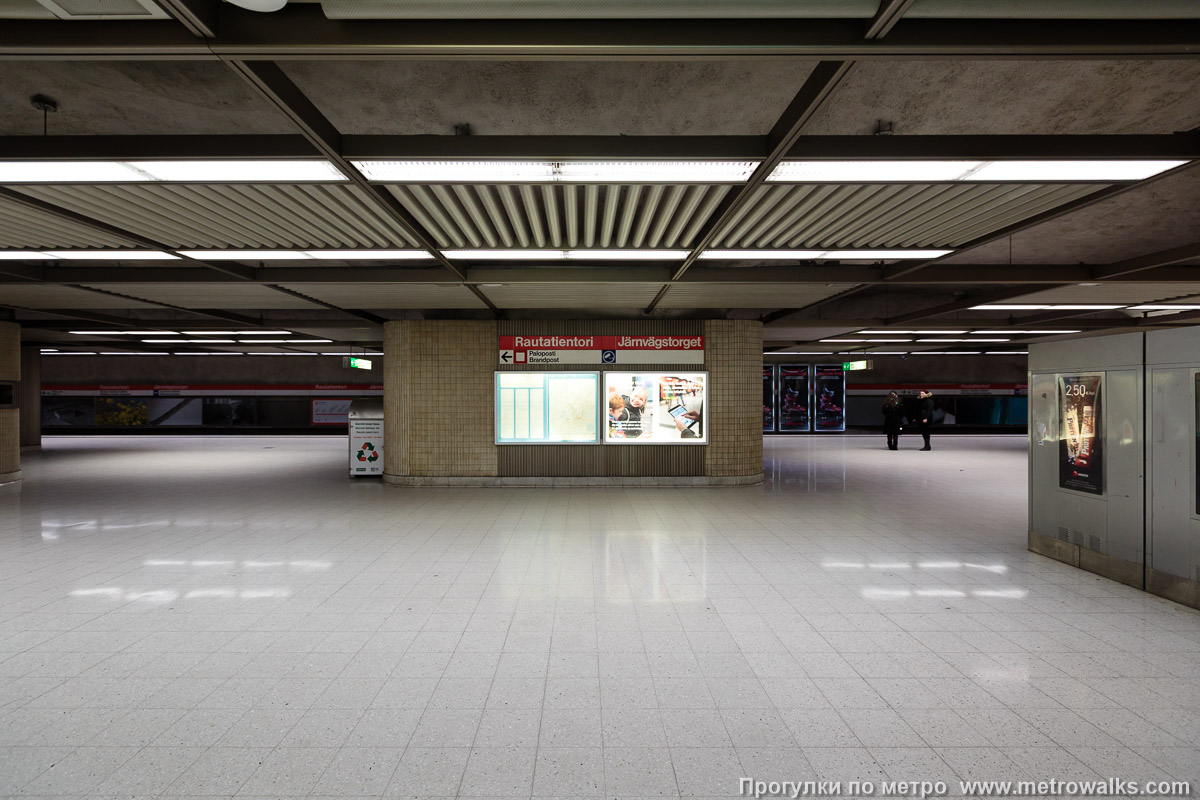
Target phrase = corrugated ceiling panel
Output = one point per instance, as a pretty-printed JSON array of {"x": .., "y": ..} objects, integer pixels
[
  {"x": 219, "y": 295},
  {"x": 236, "y": 216},
  {"x": 561, "y": 215},
  {"x": 888, "y": 215},
  {"x": 1117, "y": 293},
  {"x": 25, "y": 229},
  {"x": 749, "y": 295},
  {"x": 389, "y": 295},
  {"x": 35, "y": 296},
  {"x": 568, "y": 295}
]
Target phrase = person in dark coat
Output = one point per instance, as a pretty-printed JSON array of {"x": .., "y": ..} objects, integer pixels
[
  {"x": 926, "y": 415},
  {"x": 893, "y": 413}
]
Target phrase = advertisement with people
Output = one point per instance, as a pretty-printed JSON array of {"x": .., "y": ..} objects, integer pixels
[
  {"x": 829, "y": 391},
  {"x": 793, "y": 398},
  {"x": 655, "y": 408},
  {"x": 1081, "y": 437},
  {"x": 768, "y": 398}
]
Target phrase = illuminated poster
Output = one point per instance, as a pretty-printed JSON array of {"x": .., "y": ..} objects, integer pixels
[
  {"x": 655, "y": 408},
  {"x": 330, "y": 411},
  {"x": 768, "y": 398},
  {"x": 547, "y": 408},
  {"x": 793, "y": 398},
  {"x": 1081, "y": 434},
  {"x": 829, "y": 392}
]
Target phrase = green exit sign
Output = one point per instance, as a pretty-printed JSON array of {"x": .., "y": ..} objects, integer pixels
[
  {"x": 356, "y": 363},
  {"x": 853, "y": 366}
]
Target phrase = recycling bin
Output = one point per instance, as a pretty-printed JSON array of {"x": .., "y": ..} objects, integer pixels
[{"x": 366, "y": 437}]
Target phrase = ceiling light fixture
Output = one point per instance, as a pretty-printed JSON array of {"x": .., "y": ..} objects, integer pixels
[
  {"x": 1009, "y": 307},
  {"x": 392, "y": 171},
  {"x": 189, "y": 171},
  {"x": 949, "y": 333},
  {"x": 85, "y": 255},
  {"x": 1164, "y": 308},
  {"x": 964, "y": 341},
  {"x": 568, "y": 255},
  {"x": 123, "y": 333},
  {"x": 815, "y": 255},
  {"x": 1025, "y": 333},
  {"x": 938, "y": 171}
]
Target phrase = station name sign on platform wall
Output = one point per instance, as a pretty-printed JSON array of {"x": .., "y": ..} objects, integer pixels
[{"x": 602, "y": 349}]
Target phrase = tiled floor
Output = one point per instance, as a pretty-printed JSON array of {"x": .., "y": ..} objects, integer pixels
[{"x": 221, "y": 617}]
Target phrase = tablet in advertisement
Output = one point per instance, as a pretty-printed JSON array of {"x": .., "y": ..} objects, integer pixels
[{"x": 655, "y": 407}]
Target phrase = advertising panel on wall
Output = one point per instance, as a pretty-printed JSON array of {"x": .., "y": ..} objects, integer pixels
[
  {"x": 768, "y": 398},
  {"x": 829, "y": 390},
  {"x": 1081, "y": 435},
  {"x": 793, "y": 398},
  {"x": 547, "y": 407},
  {"x": 656, "y": 407},
  {"x": 330, "y": 411}
]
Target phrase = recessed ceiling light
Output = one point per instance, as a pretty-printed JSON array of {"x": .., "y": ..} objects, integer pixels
[
  {"x": 111, "y": 255},
  {"x": 939, "y": 171},
  {"x": 1088, "y": 307},
  {"x": 557, "y": 171},
  {"x": 1007, "y": 353},
  {"x": 842, "y": 341},
  {"x": 123, "y": 333},
  {"x": 813, "y": 255},
  {"x": 965, "y": 341},
  {"x": 1087, "y": 284},
  {"x": 945, "y": 353},
  {"x": 568, "y": 255},
  {"x": 190, "y": 171},
  {"x": 366, "y": 255},
  {"x": 1026, "y": 333},
  {"x": 305, "y": 255},
  {"x": 1164, "y": 308},
  {"x": 1008, "y": 307}
]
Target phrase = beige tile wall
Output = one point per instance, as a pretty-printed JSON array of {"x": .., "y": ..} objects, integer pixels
[
  {"x": 10, "y": 444},
  {"x": 10, "y": 351},
  {"x": 437, "y": 394},
  {"x": 733, "y": 355}
]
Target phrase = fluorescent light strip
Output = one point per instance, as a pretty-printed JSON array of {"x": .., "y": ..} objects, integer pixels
[
  {"x": 842, "y": 341},
  {"x": 1164, "y": 308},
  {"x": 1026, "y": 333},
  {"x": 813, "y": 255},
  {"x": 945, "y": 353},
  {"x": 1007, "y": 353},
  {"x": 948, "y": 333},
  {"x": 568, "y": 255},
  {"x": 938, "y": 171},
  {"x": 201, "y": 353},
  {"x": 86, "y": 255},
  {"x": 188, "y": 341},
  {"x": 307, "y": 255},
  {"x": 557, "y": 171},
  {"x": 191, "y": 171},
  {"x": 133, "y": 353},
  {"x": 123, "y": 333},
  {"x": 966, "y": 341},
  {"x": 1046, "y": 307},
  {"x": 285, "y": 341}
]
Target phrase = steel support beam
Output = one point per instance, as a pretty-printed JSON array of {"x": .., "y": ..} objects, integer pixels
[
  {"x": 301, "y": 31},
  {"x": 1151, "y": 261},
  {"x": 200, "y": 17},
  {"x": 889, "y": 13},
  {"x": 1184, "y": 146}
]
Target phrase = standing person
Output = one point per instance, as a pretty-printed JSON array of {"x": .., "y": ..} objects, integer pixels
[
  {"x": 893, "y": 413},
  {"x": 926, "y": 415}
]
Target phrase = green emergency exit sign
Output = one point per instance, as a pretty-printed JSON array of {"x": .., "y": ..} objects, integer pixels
[
  {"x": 853, "y": 366},
  {"x": 356, "y": 363}
]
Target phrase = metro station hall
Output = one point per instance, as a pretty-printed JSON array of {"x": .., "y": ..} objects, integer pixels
[{"x": 626, "y": 400}]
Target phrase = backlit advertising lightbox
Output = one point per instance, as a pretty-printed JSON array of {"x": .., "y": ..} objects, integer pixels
[
  {"x": 547, "y": 407},
  {"x": 1081, "y": 434},
  {"x": 768, "y": 398},
  {"x": 829, "y": 395},
  {"x": 793, "y": 398},
  {"x": 655, "y": 407}
]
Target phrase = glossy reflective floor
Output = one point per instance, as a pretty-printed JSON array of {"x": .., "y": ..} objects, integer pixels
[{"x": 232, "y": 616}]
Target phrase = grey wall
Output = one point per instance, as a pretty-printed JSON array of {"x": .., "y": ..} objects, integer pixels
[
  {"x": 205, "y": 370},
  {"x": 1104, "y": 532},
  {"x": 1172, "y": 520}
]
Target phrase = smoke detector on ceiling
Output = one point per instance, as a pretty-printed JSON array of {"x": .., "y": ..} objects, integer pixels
[{"x": 259, "y": 5}]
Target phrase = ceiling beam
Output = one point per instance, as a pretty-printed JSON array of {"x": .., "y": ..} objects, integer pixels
[
  {"x": 1150, "y": 261},
  {"x": 821, "y": 83},
  {"x": 301, "y": 31},
  {"x": 886, "y": 17},
  {"x": 962, "y": 304},
  {"x": 431, "y": 147},
  {"x": 200, "y": 17}
]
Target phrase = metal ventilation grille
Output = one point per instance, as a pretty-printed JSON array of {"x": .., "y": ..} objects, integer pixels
[
  {"x": 561, "y": 216},
  {"x": 888, "y": 215},
  {"x": 234, "y": 216},
  {"x": 23, "y": 228}
]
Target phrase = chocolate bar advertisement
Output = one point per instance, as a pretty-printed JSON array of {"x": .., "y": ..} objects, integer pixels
[
  {"x": 829, "y": 396},
  {"x": 1081, "y": 434}
]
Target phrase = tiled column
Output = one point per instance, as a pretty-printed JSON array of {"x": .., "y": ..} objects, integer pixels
[
  {"x": 437, "y": 401},
  {"x": 10, "y": 372},
  {"x": 733, "y": 354},
  {"x": 29, "y": 399}
]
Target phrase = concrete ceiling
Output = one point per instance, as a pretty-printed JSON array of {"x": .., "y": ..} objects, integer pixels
[{"x": 1057, "y": 228}]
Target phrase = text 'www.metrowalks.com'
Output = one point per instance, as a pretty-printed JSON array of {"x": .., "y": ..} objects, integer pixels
[{"x": 1109, "y": 787}]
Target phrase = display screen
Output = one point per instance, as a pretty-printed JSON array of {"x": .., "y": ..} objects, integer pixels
[
  {"x": 656, "y": 407},
  {"x": 768, "y": 398},
  {"x": 1080, "y": 434},
  {"x": 793, "y": 398},
  {"x": 547, "y": 407},
  {"x": 829, "y": 391}
]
